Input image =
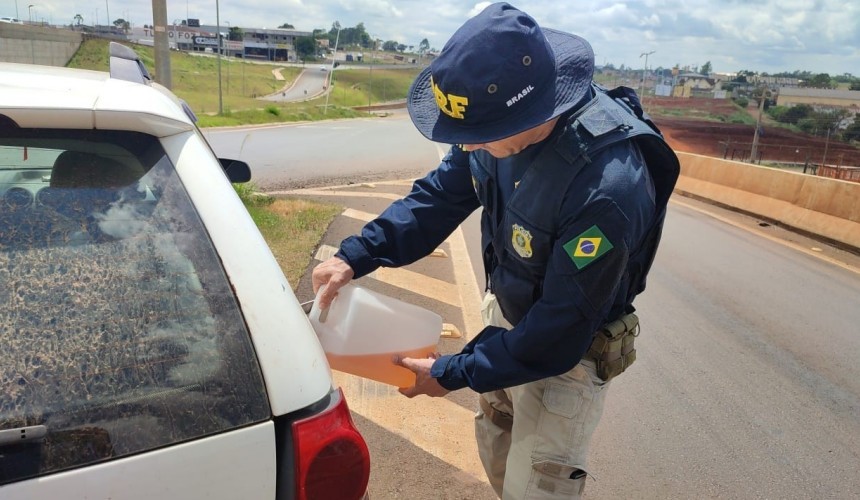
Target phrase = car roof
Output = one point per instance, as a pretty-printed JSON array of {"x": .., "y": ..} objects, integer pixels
[{"x": 55, "y": 97}]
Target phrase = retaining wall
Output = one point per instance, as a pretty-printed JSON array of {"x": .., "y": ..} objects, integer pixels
[
  {"x": 828, "y": 208},
  {"x": 37, "y": 44}
]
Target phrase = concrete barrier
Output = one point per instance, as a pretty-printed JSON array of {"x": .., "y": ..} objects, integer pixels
[
  {"x": 37, "y": 44},
  {"x": 826, "y": 208}
]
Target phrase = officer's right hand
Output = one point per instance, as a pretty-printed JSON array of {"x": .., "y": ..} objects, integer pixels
[{"x": 333, "y": 274}]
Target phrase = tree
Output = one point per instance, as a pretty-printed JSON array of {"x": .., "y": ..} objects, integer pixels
[
  {"x": 306, "y": 46},
  {"x": 744, "y": 76},
  {"x": 424, "y": 46},
  {"x": 349, "y": 36},
  {"x": 78, "y": 19},
  {"x": 706, "y": 69},
  {"x": 819, "y": 81},
  {"x": 235, "y": 34},
  {"x": 287, "y": 26},
  {"x": 792, "y": 114},
  {"x": 390, "y": 46},
  {"x": 822, "y": 122},
  {"x": 855, "y": 86},
  {"x": 852, "y": 132},
  {"x": 122, "y": 24}
]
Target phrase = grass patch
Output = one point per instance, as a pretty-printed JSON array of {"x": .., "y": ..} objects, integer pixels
[
  {"x": 363, "y": 87},
  {"x": 195, "y": 80},
  {"x": 741, "y": 117},
  {"x": 292, "y": 227},
  {"x": 195, "y": 77}
]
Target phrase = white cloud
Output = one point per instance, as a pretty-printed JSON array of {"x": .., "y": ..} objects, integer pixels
[{"x": 767, "y": 35}]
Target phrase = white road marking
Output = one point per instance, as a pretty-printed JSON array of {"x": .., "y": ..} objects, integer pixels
[{"x": 451, "y": 437}]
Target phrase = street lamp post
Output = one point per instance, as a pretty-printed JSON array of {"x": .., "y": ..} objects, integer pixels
[
  {"x": 370, "y": 86},
  {"x": 331, "y": 71},
  {"x": 30, "y": 13},
  {"x": 227, "y": 55}
]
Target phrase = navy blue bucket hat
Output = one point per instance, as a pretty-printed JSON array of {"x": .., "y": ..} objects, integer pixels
[{"x": 500, "y": 74}]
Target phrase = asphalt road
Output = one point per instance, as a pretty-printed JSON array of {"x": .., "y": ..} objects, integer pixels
[
  {"x": 312, "y": 82},
  {"x": 330, "y": 152},
  {"x": 746, "y": 383}
]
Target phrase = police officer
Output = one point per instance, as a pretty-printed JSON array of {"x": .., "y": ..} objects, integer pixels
[{"x": 573, "y": 181}]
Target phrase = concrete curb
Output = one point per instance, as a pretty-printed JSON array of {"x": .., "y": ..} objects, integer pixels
[{"x": 815, "y": 206}]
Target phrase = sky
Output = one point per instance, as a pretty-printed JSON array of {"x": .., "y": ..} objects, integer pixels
[{"x": 821, "y": 36}]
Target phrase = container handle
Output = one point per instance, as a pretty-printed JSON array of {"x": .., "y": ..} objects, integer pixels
[{"x": 323, "y": 312}]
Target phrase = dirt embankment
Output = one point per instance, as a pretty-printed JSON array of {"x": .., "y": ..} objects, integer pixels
[{"x": 710, "y": 136}]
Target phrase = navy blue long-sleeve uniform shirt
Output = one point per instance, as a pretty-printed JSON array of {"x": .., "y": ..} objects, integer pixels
[{"x": 613, "y": 192}]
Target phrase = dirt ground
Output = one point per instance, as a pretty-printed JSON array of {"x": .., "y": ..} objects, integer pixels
[{"x": 703, "y": 133}]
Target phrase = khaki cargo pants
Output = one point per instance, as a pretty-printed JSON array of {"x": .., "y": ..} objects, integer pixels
[{"x": 533, "y": 438}]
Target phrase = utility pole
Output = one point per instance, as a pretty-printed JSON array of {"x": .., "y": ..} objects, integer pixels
[
  {"x": 754, "y": 150},
  {"x": 644, "y": 72},
  {"x": 826, "y": 143},
  {"x": 645, "y": 69},
  {"x": 218, "y": 38},
  {"x": 161, "y": 43}
]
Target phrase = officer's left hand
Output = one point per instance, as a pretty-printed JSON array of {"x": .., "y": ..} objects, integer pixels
[{"x": 424, "y": 383}]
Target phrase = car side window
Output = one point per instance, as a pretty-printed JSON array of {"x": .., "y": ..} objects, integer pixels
[{"x": 119, "y": 328}]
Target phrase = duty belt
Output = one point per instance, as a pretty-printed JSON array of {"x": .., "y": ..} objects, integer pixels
[{"x": 501, "y": 419}]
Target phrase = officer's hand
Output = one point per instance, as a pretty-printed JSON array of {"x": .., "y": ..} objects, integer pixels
[
  {"x": 333, "y": 273},
  {"x": 424, "y": 383}
]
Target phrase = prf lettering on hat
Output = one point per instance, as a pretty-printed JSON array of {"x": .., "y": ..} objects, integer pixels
[{"x": 450, "y": 104}]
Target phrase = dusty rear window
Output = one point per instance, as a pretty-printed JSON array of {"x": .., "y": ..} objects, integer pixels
[{"x": 119, "y": 329}]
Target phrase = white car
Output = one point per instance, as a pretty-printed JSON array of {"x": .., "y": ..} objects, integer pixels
[
  {"x": 152, "y": 347},
  {"x": 11, "y": 20}
]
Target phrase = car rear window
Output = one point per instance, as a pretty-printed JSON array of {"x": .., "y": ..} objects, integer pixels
[{"x": 119, "y": 328}]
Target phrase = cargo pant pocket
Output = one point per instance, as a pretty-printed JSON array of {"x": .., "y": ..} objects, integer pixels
[
  {"x": 553, "y": 480},
  {"x": 572, "y": 405}
]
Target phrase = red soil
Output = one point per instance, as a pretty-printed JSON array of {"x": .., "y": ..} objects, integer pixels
[{"x": 731, "y": 140}]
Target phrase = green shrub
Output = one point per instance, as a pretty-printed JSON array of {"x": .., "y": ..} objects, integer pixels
[
  {"x": 741, "y": 117},
  {"x": 273, "y": 110}
]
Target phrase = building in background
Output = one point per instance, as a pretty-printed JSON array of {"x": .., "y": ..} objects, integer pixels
[{"x": 257, "y": 43}]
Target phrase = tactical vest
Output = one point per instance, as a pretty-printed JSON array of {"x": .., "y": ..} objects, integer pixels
[{"x": 610, "y": 117}]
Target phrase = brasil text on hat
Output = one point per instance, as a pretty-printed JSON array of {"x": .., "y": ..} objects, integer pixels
[{"x": 500, "y": 74}]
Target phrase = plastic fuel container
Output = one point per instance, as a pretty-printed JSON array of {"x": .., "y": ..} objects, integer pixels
[{"x": 362, "y": 331}]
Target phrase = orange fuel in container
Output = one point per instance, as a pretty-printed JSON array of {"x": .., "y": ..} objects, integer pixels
[
  {"x": 363, "y": 330},
  {"x": 379, "y": 367}
]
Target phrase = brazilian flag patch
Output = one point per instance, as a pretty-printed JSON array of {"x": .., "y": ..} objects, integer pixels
[{"x": 587, "y": 247}]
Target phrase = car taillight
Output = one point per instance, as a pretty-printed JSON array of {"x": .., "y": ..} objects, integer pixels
[{"x": 332, "y": 460}]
